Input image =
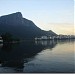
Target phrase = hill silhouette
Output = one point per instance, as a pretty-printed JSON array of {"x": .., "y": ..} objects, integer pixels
[{"x": 21, "y": 27}]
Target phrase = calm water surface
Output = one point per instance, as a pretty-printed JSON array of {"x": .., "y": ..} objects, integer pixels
[{"x": 38, "y": 57}]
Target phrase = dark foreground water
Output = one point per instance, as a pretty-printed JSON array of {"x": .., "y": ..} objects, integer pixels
[{"x": 38, "y": 57}]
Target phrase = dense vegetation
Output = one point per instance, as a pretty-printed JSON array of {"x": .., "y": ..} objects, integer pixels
[{"x": 7, "y": 37}]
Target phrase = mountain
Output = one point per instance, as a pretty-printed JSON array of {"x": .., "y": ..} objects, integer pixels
[{"x": 21, "y": 27}]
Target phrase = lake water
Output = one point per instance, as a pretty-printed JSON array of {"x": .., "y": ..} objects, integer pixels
[{"x": 38, "y": 57}]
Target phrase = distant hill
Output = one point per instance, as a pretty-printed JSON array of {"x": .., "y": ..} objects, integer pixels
[{"x": 20, "y": 27}]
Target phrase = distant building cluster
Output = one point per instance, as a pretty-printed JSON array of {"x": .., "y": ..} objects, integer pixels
[{"x": 58, "y": 37}]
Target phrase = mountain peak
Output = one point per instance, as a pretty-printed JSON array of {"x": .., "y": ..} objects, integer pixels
[
  {"x": 12, "y": 19},
  {"x": 21, "y": 27},
  {"x": 13, "y": 14},
  {"x": 17, "y": 13}
]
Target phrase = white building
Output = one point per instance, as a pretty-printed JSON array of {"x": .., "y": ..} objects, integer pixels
[
  {"x": 1, "y": 39},
  {"x": 44, "y": 37}
]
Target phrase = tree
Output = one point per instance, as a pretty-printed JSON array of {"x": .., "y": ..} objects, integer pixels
[{"x": 7, "y": 37}]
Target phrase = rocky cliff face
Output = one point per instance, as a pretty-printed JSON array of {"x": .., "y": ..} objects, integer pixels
[
  {"x": 20, "y": 27},
  {"x": 12, "y": 19}
]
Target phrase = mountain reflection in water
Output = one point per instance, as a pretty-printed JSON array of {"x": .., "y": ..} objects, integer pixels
[{"x": 14, "y": 56}]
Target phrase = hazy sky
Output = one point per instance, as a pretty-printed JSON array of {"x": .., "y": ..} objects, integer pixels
[{"x": 56, "y": 15}]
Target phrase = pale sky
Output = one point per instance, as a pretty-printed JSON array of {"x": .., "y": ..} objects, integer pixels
[{"x": 56, "y": 15}]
